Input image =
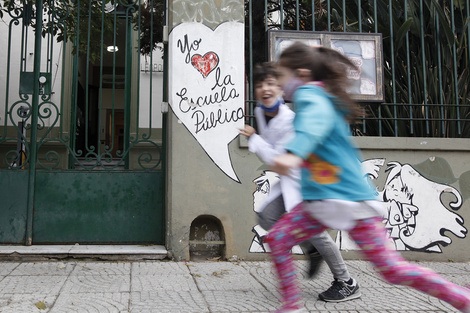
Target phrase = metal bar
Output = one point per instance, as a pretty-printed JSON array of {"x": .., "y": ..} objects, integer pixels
[
  {"x": 423, "y": 65},
  {"x": 137, "y": 115},
  {"x": 7, "y": 90},
  {"x": 250, "y": 19},
  {"x": 297, "y": 14},
  {"x": 87, "y": 73},
  {"x": 344, "y": 16},
  {"x": 62, "y": 56},
  {"x": 113, "y": 108},
  {"x": 454, "y": 59},
  {"x": 313, "y": 15},
  {"x": 392, "y": 54},
  {"x": 151, "y": 77},
  {"x": 380, "y": 120},
  {"x": 24, "y": 34},
  {"x": 439, "y": 70},
  {"x": 376, "y": 24},
  {"x": 329, "y": 14},
  {"x": 468, "y": 32},
  {"x": 281, "y": 14},
  {"x": 74, "y": 96},
  {"x": 408, "y": 71},
  {"x": 265, "y": 17},
  {"x": 34, "y": 124},
  {"x": 100, "y": 92},
  {"x": 128, "y": 84},
  {"x": 163, "y": 156},
  {"x": 359, "y": 15}
]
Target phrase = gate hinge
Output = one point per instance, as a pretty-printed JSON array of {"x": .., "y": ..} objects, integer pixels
[{"x": 164, "y": 107}]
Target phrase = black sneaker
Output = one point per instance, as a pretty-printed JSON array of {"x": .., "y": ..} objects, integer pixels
[
  {"x": 341, "y": 291},
  {"x": 315, "y": 262}
]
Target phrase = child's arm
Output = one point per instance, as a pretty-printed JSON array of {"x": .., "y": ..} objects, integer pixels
[
  {"x": 247, "y": 131},
  {"x": 266, "y": 151},
  {"x": 284, "y": 162}
]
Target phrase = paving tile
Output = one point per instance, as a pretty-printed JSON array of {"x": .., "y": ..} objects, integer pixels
[
  {"x": 223, "y": 276},
  {"x": 50, "y": 285},
  {"x": 43, "y": 269},
  {"x": 100, "y": 268},
  {"x": 97, "y": 283},
  {"x": 224, "y": 280},
  {"x": 7, "y": 267},
  {"x": 167, "y": 301},
  {"x": 207, "y": 268},
  {"x": 159, "y": 268},
  {"x": 25, "y": 303},
  {"x": 104, "y": 302},
  {"x": 446, "y": 267},
  {"x": 264, "y": 274},
  {"x": 441, "y": 305},
  {"x": 176, "y": 282},
  {"x": 240, "y": 301}
]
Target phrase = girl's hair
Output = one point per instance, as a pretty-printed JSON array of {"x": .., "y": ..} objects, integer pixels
[
  {"x": 328, "y": 66},
  {"x": 263, "y": 70}
]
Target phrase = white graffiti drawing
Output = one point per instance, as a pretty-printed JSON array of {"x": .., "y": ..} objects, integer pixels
[
  {"x": 264, "y": 183},
  {"x": 418, "y": 213},
  {"x": 206, "y": 86}
]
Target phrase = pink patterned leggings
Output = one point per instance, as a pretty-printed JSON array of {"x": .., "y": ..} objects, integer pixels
[{"x": 298, "y": 225}]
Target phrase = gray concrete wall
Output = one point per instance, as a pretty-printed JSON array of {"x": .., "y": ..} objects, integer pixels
[
  {"x": 436, "y": 173},
  {"x": 195, "y": 185}
]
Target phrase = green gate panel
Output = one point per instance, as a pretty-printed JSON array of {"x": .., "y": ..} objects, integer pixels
[
  {"x": 99, "y": 207},
  {"x": 13, "y": 206}
]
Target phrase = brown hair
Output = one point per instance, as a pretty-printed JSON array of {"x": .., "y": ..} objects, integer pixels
[
  {"x": 263, "y": 70},
  {"x": 326, "y": 65}
]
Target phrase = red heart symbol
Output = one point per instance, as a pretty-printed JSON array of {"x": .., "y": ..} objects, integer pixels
[{"x": 205, "y": 64}]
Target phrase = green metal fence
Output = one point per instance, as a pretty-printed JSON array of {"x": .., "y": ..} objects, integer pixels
[{"x": 425, "y": 49}]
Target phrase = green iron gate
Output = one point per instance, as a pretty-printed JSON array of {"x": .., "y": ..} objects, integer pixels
[{"x": 81, "y": 130}]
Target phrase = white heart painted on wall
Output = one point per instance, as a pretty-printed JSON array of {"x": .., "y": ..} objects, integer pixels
[{"x": 206, "y": 85}]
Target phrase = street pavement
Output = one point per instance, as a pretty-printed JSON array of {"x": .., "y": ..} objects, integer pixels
[{"x": 160, "y": 286}]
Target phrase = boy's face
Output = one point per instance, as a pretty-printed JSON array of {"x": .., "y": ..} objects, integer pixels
[{"x": 267, "y": 91}]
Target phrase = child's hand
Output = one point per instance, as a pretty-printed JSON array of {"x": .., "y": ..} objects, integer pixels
[
  {"x": 247, "y": 131},
  {"x": 284, "y": 162}
]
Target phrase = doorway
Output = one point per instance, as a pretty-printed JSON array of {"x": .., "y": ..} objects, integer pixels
[{"x": 115, "y": 131}]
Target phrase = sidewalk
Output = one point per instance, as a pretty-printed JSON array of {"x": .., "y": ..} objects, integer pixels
[{"x": 160, "y": 286}]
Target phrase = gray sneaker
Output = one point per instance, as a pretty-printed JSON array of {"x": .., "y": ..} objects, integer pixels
[{"x": 341, "y": 291}]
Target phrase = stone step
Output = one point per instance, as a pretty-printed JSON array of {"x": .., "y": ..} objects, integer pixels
[{"x": 102, "y": 252}]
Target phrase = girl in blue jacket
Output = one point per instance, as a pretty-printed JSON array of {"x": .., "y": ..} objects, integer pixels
[{"x": 335, "y": 193}]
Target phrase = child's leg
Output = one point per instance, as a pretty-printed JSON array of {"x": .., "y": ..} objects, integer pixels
[
  {"x": 330, "y": 252},
  {"x": 369, "y": 234},
  {"x": 292, "y": 228}
]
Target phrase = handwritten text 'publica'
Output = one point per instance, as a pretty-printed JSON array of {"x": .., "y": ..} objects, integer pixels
[{"x": 222, "y": 91}]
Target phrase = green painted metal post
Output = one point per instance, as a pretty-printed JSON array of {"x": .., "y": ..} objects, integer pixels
[
  {"x": 34, "y": 124},
  {"x": 127, "y": 96}
]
